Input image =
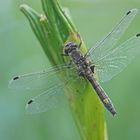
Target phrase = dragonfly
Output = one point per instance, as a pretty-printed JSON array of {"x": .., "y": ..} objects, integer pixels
[{"x": 105, "y": 59}]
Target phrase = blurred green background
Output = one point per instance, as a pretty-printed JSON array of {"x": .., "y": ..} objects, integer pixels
[{"x": 21, "y": 53}]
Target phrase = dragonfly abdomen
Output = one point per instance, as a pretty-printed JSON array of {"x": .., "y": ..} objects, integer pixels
[{"x": 102, "y": 95}]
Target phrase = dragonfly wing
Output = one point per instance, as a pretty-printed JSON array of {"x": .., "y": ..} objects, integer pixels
[
  {"x": 52, "y": 98},
  {"x": 42, "y": 80},
  {"x": 117, "y": 59},
  {"x": 108, "y": 42},
  {"x": 46, "y": 101}
]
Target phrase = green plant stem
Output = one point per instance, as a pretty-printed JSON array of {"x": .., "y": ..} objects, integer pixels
[{"x": 53, "y": 29}]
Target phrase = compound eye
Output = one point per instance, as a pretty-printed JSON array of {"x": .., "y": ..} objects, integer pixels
[{"x": 68, "y": 45}]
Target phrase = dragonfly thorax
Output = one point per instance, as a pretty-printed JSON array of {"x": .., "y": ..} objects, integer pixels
[{"x": 83, "y": 65}]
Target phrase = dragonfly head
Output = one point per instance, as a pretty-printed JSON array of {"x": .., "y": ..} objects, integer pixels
[{"x": 69, "y": 47}]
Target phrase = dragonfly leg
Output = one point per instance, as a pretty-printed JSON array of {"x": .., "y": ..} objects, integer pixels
[
  {"x": 64, "y": 54},
  {"x": 92, "y": 68},
  {"x": 81, "y": 74}
]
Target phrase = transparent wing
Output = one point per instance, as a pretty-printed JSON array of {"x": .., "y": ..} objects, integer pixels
[
  {"x": 106, "y": 44},
  {"x": 46, "y": 101},
  {"x": 52, "y": 98},
  {"x": 117, "y": 59},
  {"x": 49, "y": 85},
  {"x": 43, "y": 80}
]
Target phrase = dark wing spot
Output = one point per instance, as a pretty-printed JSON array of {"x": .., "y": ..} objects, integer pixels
[
  {"x": 30, "y": 102},
  {"x": 138, "y": 35},
  {"x": 128, "y": 12},
  {"x": 16, "y": 78}
]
